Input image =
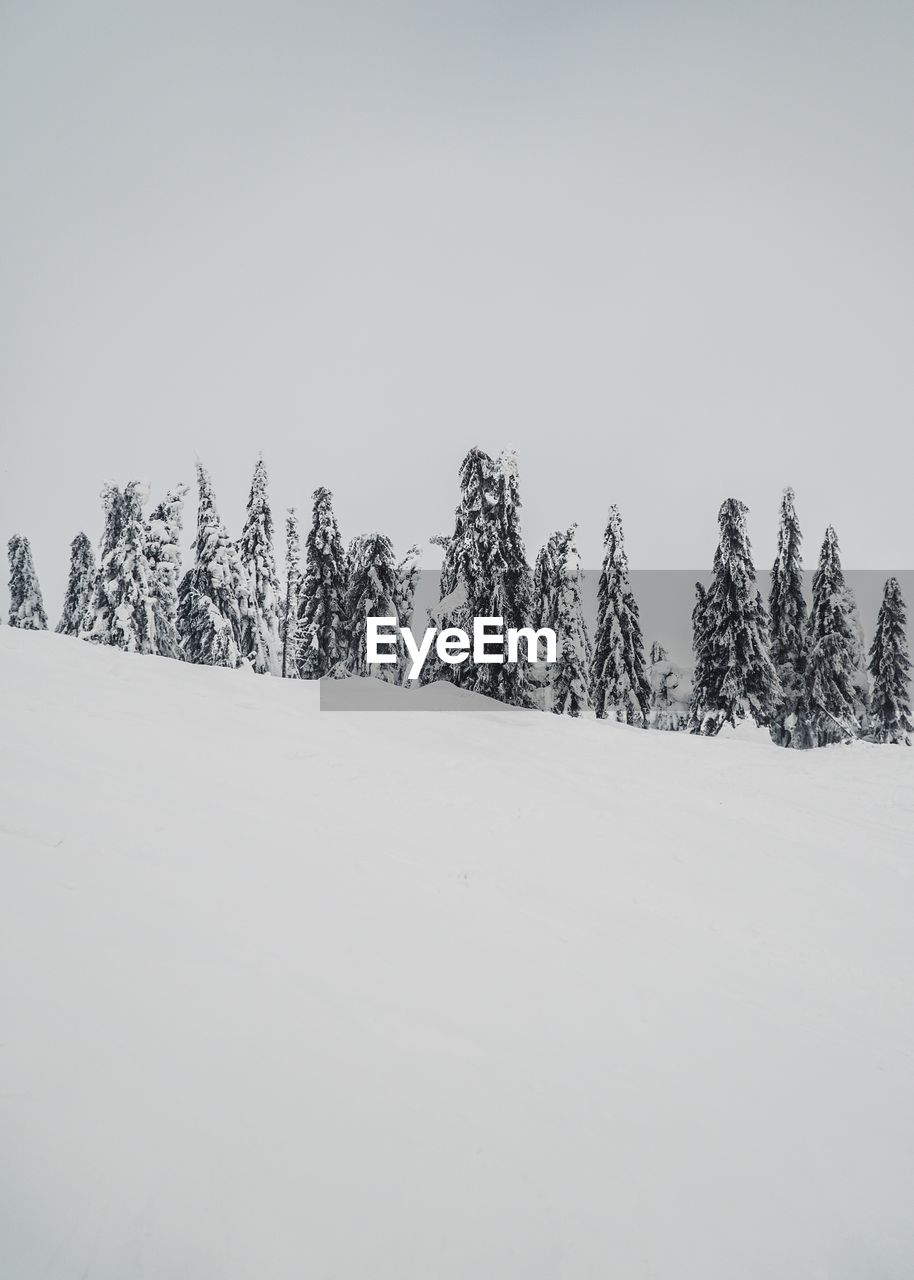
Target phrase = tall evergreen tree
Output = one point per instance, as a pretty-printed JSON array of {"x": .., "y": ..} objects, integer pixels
[
  {"x": 372, "y": 592},
  {"x": 292, "y": 595},
  {"x": 26, "y": 606},
  {"x": 831, "y": 664},
  {"x": 80, "y": 586},
  {"x": 260, "y": 626},
  {"x": 568, "y": 687},
  {"x": 407, "y": 578},
  {"x": 787, "y": 622},
  {"x": 734, "y": 678},
  {"x": 485, "y": 574},
  {"x": 163, "y": 550},
  {"x": 890, "y": 665},
  {"x": 322, "y": 634},
  {"x": 860, "y": 679},
  {"x": 122, "y": 612},
  {"x": 700, "y": 668},
  {"x": 619, "y": 686},
  {"x": 214, "y": 596}
]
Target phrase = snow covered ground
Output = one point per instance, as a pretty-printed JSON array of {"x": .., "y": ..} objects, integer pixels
[{"x": 286, "y": 994}]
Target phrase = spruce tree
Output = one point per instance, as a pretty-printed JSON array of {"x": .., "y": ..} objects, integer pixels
[
  {"x": 260, "y": 642},
  {"x": 568, "y": 688},
  {"x": 890, "y": 665},
  {"x": 485, "y": 574},
  {"x": 407, "y": 578},
  {"x": 700, "y": 668},
  {"x": 619, "y": 687},
  {"x": 371, "y": 594},
  {"x": 670, "y": 691},
  {"x": 787, "y": 623},
  {"x": 214, "y": 596},
  {"x": 832, "y": 663},
  {"x": 861, "y": 677},
  {"x": 122, "y": 611},
  {"x": 80, "y": 586},
  {"x": 322, "y": 632},
  {"x": 163, "y": 551},
  {"x": 734, "y": 677},
  {"x": 292, "y": 595},
  {"x": 26, "y": 606}
]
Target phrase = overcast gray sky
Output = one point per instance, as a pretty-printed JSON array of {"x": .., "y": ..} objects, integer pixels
[{"x": 663, "y": 250}]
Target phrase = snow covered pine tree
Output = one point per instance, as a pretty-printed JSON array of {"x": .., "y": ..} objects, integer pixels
[
  {"x": 485, "y": 574},
  {"x": 260, "y": 625},
  {"x": 80, "y": 585},
  {"x": 890, "y": 708},
  {"x": 734, "y": 677},
  {"x": 163, "y": 551},
  {"x": 292, "y": 596},
  {"x": 670, "y": 691},
  {"x": 832, "y": 663},
  {"x": 404, "y": 600},
  {"x": 371, "y": 594},
  {"x": 321, "y": 637},
  {"x": 787, "y": 624},
  {"x": 122, "y": 611},
  {"x": 619, "y": 686},
  {"x": 567, "y": 691},
  {"x": 26, "y": 606},
  {"x": 214, "y": 595}
]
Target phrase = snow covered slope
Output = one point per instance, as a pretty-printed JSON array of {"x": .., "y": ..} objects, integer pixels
[{"x": 380, "y": 997}]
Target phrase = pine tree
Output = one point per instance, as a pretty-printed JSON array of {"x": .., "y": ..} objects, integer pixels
[
  {"x": 26, "y": 606},
  {"x": 787, "y": 624},
  {"x": 122, "y": 611},
  {"x": 890, "y": 712},
  {"x": 670, "y": 691},
  {"x": 163, "y": 551},
  {"x": 860, "y": 678},
  {"x": 407, "y": 578},
  {"x": 619, "y": 686},
  {"x": 292, "y": 596},
  {"x": 371, "y": 594},
  {"x": 701, "y": 669},
  {"x": 734, "y": 677},
  {"x": 80, "y": 586},
  {"x": 322, "y": 632},
  {"x": 260, "y": 626},
  {"x": 214, "y": 596},
  {"x": 485, "y": 574},
  {"x": 568, "y": 689},
  {"x": 832, "y": 663}
]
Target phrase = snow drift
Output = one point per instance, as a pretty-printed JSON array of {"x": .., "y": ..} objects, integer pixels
[{"x": 290, "y": 994}]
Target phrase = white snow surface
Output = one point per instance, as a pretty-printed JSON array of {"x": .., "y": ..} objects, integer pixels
[{"x": 368, "y": 995}]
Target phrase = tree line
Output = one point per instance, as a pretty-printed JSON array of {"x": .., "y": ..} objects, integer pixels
[{"x": 799, "y": 671}]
